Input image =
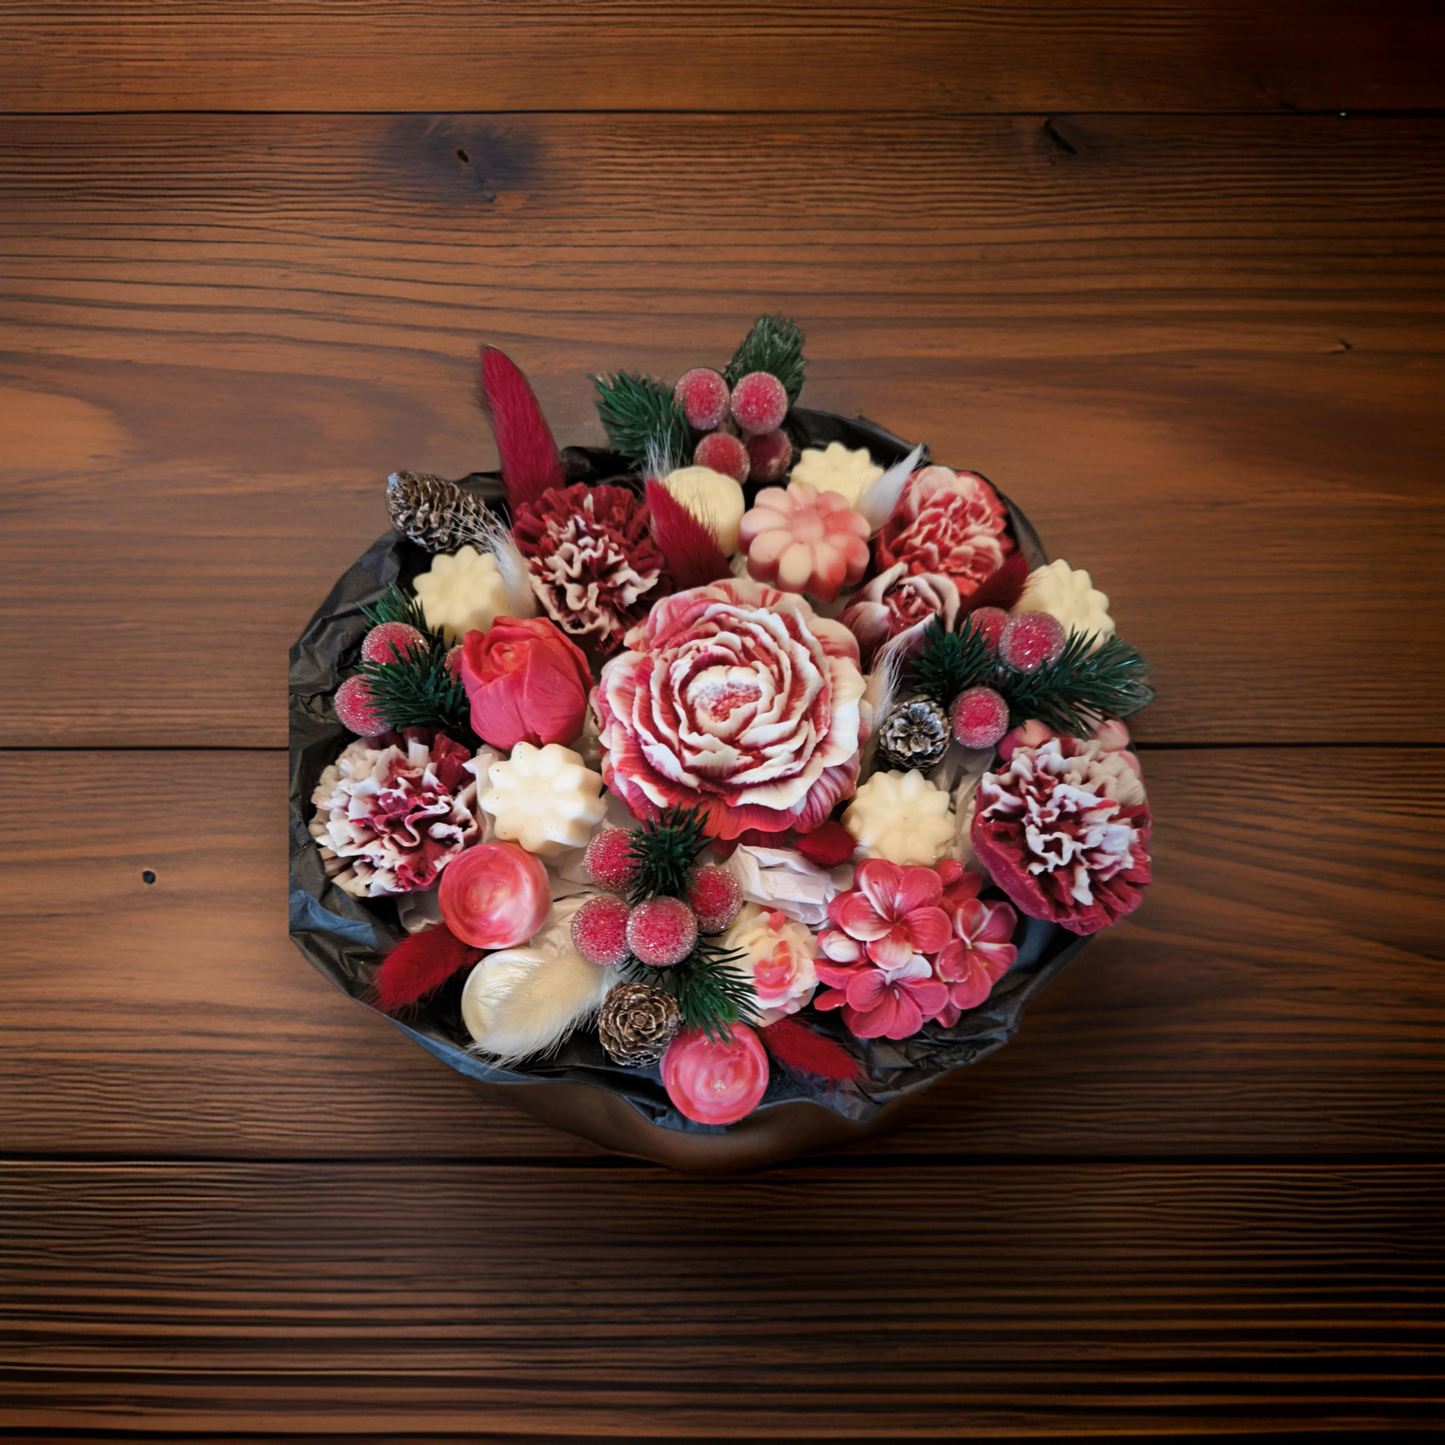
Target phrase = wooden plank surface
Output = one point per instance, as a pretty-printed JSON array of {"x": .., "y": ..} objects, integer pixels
[
  {"x": 850, "y": 55},
  {"x": 1267, "y": 1001},
  {"x": 821, "y": 1302},
  {"x": 1205, "y": 354}
]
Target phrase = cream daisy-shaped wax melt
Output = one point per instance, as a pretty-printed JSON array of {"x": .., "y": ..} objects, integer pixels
[
  {"x": 714, "y": 499},
  {"x": 835, "y": 468},
  {"x": 1068, "y": 594},
  {"x": 901, "y": 817},
  {"x": 463, "y": 592},
  {"x": 547, "y": 799}
]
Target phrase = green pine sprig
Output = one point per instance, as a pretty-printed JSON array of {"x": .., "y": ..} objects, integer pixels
[
  {"x": 640, "y": 415},
  {"x": 1087, "y": 683},
  {"x": 774, "y": 345},
  {"x": 950, "y": 662},
  {"x": 711, "y": 994},
  {"x": 664, "y": 850},
  {"x": 419, "y": 690},
  {"x": 396, "y": 604}
]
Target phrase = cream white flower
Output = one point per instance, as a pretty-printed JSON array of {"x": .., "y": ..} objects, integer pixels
[
  {"x": 714, "y": 499},
  {"x": 546, "y": 799},
  {"x": 462, "y": 593},
  {"x": 778, "y": 957},
  {"x": 1069, "y": 594},
  {"x": 901, "y": 817},
  {"x": 836, "y": 469}
]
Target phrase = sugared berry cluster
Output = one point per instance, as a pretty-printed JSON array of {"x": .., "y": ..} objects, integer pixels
[{"x": 756, "y": 406}]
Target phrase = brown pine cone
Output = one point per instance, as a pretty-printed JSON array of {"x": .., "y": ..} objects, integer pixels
[
  {"x": 435, "y": 513},
  {"x": 914, "y": 735},
  {"x": 636, "y": 1023}
]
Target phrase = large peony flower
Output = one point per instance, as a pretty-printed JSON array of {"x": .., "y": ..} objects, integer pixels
[
  {"x": 390, "y": 818},
  {"x": 737, "y": 699},
  {"x": 1063, "y": 828},
  {"x": 593, "y": 562},
  {"x": 898, "y": 601},
  {"x": 949, "y": 522}
]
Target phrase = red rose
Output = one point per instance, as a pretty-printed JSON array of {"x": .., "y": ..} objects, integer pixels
[{"x": 527, "y": 683}]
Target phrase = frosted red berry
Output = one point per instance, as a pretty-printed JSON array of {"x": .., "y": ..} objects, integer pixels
[
  {"x": 355, "y": 710},
  {"x": 703, "y": 396},
  {"x": 990, "y": 623},
  {"x": 716, "y": 897},
  {"x": 1030, "y": 640},
  {"x": 609, "y": 860},
  {"x": 453, "y": 660},
  {"x": 759, "y": 403},
  {"x": 980, "y": 717},
  {"x": 661, "y": 931},
  {"x": 390, "y": 642},
  {"x": 723, "y": 452},
  {"x": 599, "y": 931},
  {"x": 769, "y": 456}
]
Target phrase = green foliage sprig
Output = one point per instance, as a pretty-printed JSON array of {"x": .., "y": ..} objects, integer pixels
[
  {"x": 774, "y": 345},
  {"x": 416, "y": 689},
  {"x": 711, "y": 994},
  {"x": 639, "y": 414},
  {"x": 397, "y": 604},
  {"x": 664, "y": 850},
  {"x": 1086, "y": 684}
]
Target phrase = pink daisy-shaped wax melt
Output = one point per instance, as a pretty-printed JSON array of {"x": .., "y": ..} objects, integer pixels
[{"x": 804, "y": 540}]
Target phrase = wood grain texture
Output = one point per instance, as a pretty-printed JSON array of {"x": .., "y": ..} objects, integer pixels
[
  {"x": 517, "y": 1302},
  {"x": 1279, "y": 994},
  {"x": 854, "y": 55},
  {"x": 221, "y": 333}
]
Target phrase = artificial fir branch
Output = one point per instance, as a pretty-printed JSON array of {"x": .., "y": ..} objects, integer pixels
[
  {"x": 1087, "y": 683},
  {"x": 419, "y": 690},
  {"x": 396, "y": 604},
  {"x": 949, "y": 662},
  {"x": 664, "y": 851},
  {"x": 637, "y": 413},
  {"x": 774, "y": 345},
  {"x": 711, "y": 994}
]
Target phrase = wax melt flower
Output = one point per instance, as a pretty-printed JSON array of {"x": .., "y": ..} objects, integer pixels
[
  {"x": 543, "y": 798},
  {"x": 804, "y": 540},
  {"x": 1067, "y": 593},
  {"x": 461, "y": 592},
  {"x": 901, "y": 817},
  {"x": 390, "y": 818},
  {"x": 715, "y": 1081},
  {"x": 736, "y": 699},
  {"x": 898, "y": 601},
  {"x": 981, "y": 950},
  {"x": 949, "y": 522},
  {"x": 593, "y": 562},
  {"x": 526, "y": 682},
  {"x": 835, "y": 468},
  {"x": 777, "y": 955},
  {"x": 1063, "y": 828}
]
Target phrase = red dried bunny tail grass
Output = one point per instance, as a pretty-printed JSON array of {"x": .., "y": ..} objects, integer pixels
[
  {"x": 692, "y": 555},
  {"x": 418, "y": 964},
  {"x": 528, "y": 452},
  {"x": 1002, "y": 587},
  {"x": 797, "y": 1046}
]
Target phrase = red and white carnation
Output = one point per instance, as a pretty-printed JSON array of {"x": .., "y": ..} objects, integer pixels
[
  {"x": 737, "y": 699},
  {"x": 390, "y": 818},
  {"x": 593, "y": 561},
  {"x": 898, "y": 601},
  {"x": 949, "y": 522},
  {"x": 1063, "y": 828}
]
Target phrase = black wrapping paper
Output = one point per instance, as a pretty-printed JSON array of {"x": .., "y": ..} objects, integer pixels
[{"x": 343, "y": 937}]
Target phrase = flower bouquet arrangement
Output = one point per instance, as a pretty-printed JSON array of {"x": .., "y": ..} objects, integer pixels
[{"x": 751, "y": 759}]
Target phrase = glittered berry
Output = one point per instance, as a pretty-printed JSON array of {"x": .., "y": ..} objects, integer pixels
[
  {"x": 716, "y": 897},
  {"x": 661, "y": 931},
  {"x": 354, "y": 709},
  {"x": 759, "y": 403},
  {"x": 453, "y": 660},
  {"x": 599, "y": 931},
  {"x": 609, "y": 860},
  {"x": 390, "y": 642},
  {"x": 722, "y": 452},
  {"x": 989, "y": 623},
  {"x": 703, "y": 396},
  {"x": 1030, "y": 640},
  {"x": 769, "y": 456},
  {"x": 980, "y": 717}
]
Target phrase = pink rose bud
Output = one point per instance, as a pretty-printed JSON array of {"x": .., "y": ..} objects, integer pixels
[
  {"x": 715, "y": 1081},
  {"x": 526, "y": 681}
]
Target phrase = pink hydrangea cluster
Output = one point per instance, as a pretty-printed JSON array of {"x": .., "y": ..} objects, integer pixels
[
  {"x": 1063, "y": 826},
  {"x": 949, "y": 522},
  {"x": 910, "y": 946}
]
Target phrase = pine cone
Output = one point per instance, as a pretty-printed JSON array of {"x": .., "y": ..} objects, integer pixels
[
  {"x": 431, "y": 511},
  {"x": 914, "y": 736},
  {"x": 636, "y": 1023}
]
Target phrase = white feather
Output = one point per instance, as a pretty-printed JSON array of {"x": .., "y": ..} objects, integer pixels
[
  {"x": 876, "y": 504},
  {"x": 879, "y": 693},
  {"x": 490, "y": 536}
]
